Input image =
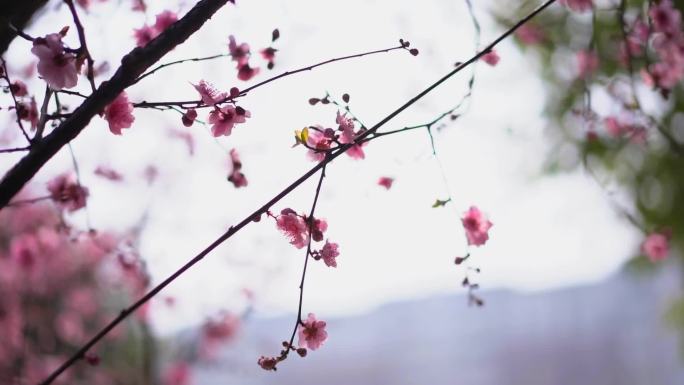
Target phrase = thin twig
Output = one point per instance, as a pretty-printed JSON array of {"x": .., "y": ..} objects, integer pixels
[
  {"x": 311, "y": 221},
  {"x": 90, "y": 74},
  {"x": 16, "y": 149},
  {"x": 200, "y": 104},
  {"x": 43, "y": 114},
  {"x": 195, "y": 59},
  {"x": 5, "y": 76}
]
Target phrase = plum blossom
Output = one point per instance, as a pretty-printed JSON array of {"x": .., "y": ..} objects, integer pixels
[
  {"x": 666, "y": 18},
  {"x": 312, "y": 333},
  {"x": 320, "y": 141},
  {"x": 67, "y": 192},
  {"x": 119, "y": 114},
  {"x": 267, "y": 363},
  {"x": 239, "y": 52},
  {"x": 245, "y": 72},
  {"x": 18, "y": 88},
  {"x": 529, "y": 34},
  {"x": 346, "y": 126},
  {"x": 578, "y": 5},
  {"x": 356, "y": 151},
  {"x": 492, "y": 58},
  {"x": 164, "y": 21},
  {"x": 656, "y": 246},
  {"x": 329, "y": 252},
  {"x": 236, "y": 177},
  {"x": 189, "y": 117},
  {"x": 209, "y": 94},
  {"x": 386, "y": 182},
  {"x": 29, "y": 112},
  {"x": 587, "y": 63},
  {"x": 318, "y": 228},
  {"x": 55, "y": 65},
  {"x": 178, "y": 373},
  {"x": 146, "y": 33},
  {"x": 476, "y": 226},
  {"x": 108, "y": 173},
  {"x": 223, "y": 119},
  {"x": 293, "y": 226}
]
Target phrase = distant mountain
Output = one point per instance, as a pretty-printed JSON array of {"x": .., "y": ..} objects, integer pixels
[{"x": 610, "y": 333}]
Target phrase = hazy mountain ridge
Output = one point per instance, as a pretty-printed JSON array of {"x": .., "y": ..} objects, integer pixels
[{"x": 607, "y": 333}]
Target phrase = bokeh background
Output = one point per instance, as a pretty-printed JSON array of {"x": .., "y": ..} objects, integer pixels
[{"x": 568, "y": 297}]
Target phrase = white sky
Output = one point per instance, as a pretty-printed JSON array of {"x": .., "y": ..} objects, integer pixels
[{"x": 549, "y": 231}]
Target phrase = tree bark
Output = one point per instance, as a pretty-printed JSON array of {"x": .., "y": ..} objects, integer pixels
[{"x": 17, "y": 13}]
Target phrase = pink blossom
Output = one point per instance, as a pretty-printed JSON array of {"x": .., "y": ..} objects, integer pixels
[
  {"x": 18, "y": 88},
  {"x": 268, "y": 53},
  {"x": 656, "y": 246},
  {"x": 55, "y": 65},
  {"x": 386, "y": 182},
  {"x": 178, "y": 373},
  {"x": 476, "y": 226},
  {"x": 236, "y": 176},
  {"x": 119, "y": 114},
  {"x": 346, "y": 125},
  {"x": 293, "y": 226},
  {"x": 312, "y": 334},
  {"x": 239, "y": 52},
  {"x": 319, "y": 227},
  {"x": 24, "y": 250},
  {"x": 587, "y": 63},
  {"x": 530, "y": 34},
  {"x": 189, "y": 117},
  {"x": 218, "y": 330},
  {"x": 578, "y": 5},
  {"x": 329, "y": 252},
  {"x": 186, "y": 137},
  {"x": 356, "y": 151},
  {"x": 209, "y": 94},
  {"x": 108, "y": 173},
  {"x": 223, "y": 119},
  {"x": 29, "y": 112},
  {"x": 666, "y": 18},
  {"x": 267, "y": 363},
  {"x": 492, "y": 58},
  {"x": 67, "y": 192},
  {"x": 320, "y": 141},
  {"x": 144, "y": 35},
  {"x": 245, "y": 72},
  {"x": 164, "y": 21}
]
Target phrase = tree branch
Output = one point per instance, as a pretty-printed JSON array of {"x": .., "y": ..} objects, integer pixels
[{"x": 132, "y": 65}]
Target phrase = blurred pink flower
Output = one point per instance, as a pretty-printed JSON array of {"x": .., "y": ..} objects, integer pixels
[
  {"x": 67, "y": 192},
  {"x": 656, "y": 246},
  {"x": 587, "y": 63},
  {"x": 239, "y": 52},
  {"x": 578, "y": 5},
  {"x": 386, "y": 182},
  {"x": 476, "y": 226},
  {"x": 492, "y": 58}
]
